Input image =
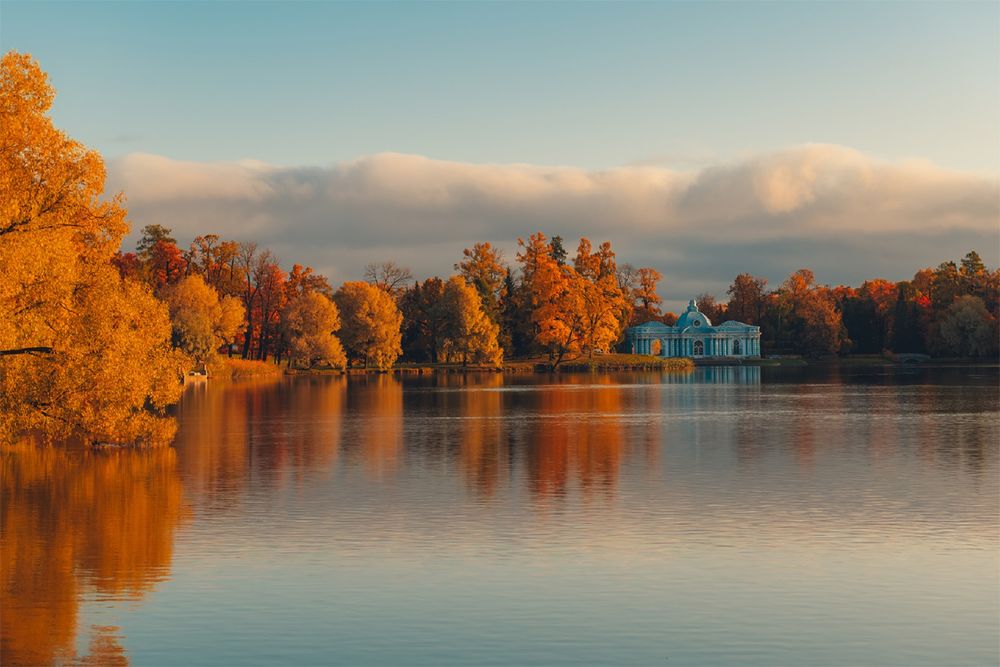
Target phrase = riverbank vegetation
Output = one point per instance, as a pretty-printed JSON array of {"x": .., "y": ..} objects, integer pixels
[{"x": 96, "y": 339}]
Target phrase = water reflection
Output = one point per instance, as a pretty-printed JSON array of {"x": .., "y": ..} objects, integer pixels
[
  {"x": 546, "y": 517},
  {"x": 79, "y": 523},
  {"x": 577, "y": 432}
]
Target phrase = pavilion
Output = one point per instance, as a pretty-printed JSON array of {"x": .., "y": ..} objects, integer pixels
[{"x": 694, "y": 336}]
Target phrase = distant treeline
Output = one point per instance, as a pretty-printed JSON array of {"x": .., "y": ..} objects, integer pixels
[{"x": 548, "y": 304}]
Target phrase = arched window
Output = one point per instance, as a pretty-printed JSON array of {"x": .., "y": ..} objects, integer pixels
[
  {"x": 736, "y": 347},
  {"x": 699, "y": 348}
]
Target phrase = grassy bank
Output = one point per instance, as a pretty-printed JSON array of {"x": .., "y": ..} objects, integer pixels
[
  {"x": 245, "y": 368},
  {"x": 604, "y": 362}
]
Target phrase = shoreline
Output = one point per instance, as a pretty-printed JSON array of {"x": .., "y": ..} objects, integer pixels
[{"x": 605, "y": 364}]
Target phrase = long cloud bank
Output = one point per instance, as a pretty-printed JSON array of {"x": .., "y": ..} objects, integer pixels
[{"x": 844, "y": 214}]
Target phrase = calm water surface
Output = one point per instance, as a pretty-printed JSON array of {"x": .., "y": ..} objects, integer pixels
[{"x": 727, "y": 517}]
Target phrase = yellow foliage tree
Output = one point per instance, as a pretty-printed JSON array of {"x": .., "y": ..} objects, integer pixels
[
  {"x": 309, "y": 321},
  {"x": 370, "y": 324},
  {"x": 81, "y": 350},
  {"x": 471, "y": 336},
  {"x": 201, "y": 321}
]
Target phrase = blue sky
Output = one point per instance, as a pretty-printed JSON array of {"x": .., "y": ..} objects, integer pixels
[
  {"x": 587, "y": 85},
  {"x": 858, "y": 139}
]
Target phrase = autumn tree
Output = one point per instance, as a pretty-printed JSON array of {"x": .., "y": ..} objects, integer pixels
[
  {"x": 309, "y": 321},
  {"x": 165, "y": 265},
  {"x": 868, "y": 313},
  {"x": 483, "y": 268},
  {"x": 151, "y": 235},
  {"x": 371, "y": 322},
  {"x": 574, "y": 308},
  {"x": 712, "y": 309},
  {"x": 470, "y": 335},
  {"x": 303, "y": 279},
  {"x": 262, "y": 293},
  {"x": 81, "y": 350},
  {"x": 644, "y": 297},
  {"x": 606, "y": 309},
  {"x": 807, "y": 316},
  {"x": 747, "y": 299},
  {"x": 217, "y": 262},
  {"x": 271, "y": 299},
  {"x": 201, "y": 321}
]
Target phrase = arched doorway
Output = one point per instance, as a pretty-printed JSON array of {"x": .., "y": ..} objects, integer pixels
[
  {"x": 736, "y": 347},
  {"x": 699, "y": 348}
]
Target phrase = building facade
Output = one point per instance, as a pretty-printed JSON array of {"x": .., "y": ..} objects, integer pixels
[{"x": 694, "y": 336}]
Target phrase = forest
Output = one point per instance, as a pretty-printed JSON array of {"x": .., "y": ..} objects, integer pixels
[
  {"x": 548, "y": 304},
  {"x": 96, "y": 339}
]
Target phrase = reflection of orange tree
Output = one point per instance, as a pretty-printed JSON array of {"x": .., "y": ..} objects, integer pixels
[
  {"x": 378, "y": 401},
  {"x": 73, "y": 521},
  {"x": 306, "y": 434},
  {"x": 482, "y": 448},
  {"x": 579, "y": 429},
  {"x": 299, "y": 422}
]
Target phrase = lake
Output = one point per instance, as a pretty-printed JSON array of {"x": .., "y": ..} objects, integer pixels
[{"x": 729, "y": 516}]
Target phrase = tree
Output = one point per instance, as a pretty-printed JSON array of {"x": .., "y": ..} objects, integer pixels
[
  {"x": 216, "y": 261},
  {"x": 571, "y": 312},
  {"x": 370, "y": 324},
  {"x": 747, "y": 299},
  {"x": 151, "y": 235},
  {"x": 483, "y": 268},
  {"x": 303, "y": 280},
  {"x": 647, "y": 301},
  {"x": 516, "y": 328},
  {"x": 557, "y": 251},
  {"x": 202, "y": 322},
  {"x": 710, "y": 307},
  {"x": 470, "y": 336},
  {"x": 82, "y": 351},
  {"x": 309, "y": 321},
  {"x": 271, "y": 299},
  {"x": 968, "y": 329},
  {"x": 390, "y": 277},
  {"x": 806, "y": 316},
  {"x": 907, "y": 326},
  {"x": 165, "y": 264},
  {"x": 424, "y": 320}
]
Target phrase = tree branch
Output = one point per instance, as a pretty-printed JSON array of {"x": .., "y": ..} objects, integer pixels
[{"x": 26, "y": 350}]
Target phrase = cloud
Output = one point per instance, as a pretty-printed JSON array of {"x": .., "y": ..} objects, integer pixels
[{"x": 845, "y": 214}]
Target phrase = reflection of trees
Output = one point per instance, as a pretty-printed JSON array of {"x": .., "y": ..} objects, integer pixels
[
  {"x": 376, "y": 405},
  {"x": 482, "y": 450},
  {"x": 301, "y": 423},
  {"x": 579, "y": 430},
  {"x": 77, "y": 520},
  {"x": 271, "y": 427}
]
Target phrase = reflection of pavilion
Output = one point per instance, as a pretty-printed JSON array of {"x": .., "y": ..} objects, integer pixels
[{"x": 716, "y": 375}]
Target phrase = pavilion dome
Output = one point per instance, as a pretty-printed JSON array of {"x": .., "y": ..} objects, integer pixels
[{"x": 692, "y": 317}]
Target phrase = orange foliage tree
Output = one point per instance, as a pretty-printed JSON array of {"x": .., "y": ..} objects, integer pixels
[{"x": 81, "y": 349}]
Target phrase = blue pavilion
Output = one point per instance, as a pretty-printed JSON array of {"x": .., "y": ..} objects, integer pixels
[{"x": 694, "y": 336}]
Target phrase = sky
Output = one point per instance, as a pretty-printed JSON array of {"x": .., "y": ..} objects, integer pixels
[{"x": 859, "y": 139}]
